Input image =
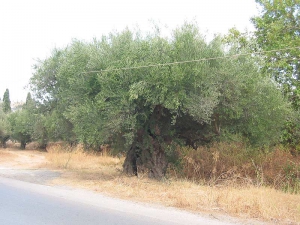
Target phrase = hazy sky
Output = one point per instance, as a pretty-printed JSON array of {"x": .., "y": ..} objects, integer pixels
[{"x": 30, "y": 29}]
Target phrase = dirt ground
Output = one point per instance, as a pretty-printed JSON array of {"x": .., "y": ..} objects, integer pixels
[
  {"x": 20, "y": 159},
  {"x": 26, "y": 165}
]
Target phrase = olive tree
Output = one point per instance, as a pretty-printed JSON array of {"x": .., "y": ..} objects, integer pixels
[{"x": 145, "y": 94}]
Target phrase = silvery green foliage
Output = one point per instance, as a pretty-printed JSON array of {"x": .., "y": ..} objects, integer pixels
[{"x": 102, "y": 103}]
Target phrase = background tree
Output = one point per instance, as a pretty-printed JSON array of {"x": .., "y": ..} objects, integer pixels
[
  {"x": 6, "y": 102},
  {"x": 46, "y": 88},
  {"x": 29, "y": 103},
  {"x": 39, "y": 130},
  {"x": 278, "y": 27},
  {"x": 4, "y": 127},
  {"x": 22, "y": 125}
]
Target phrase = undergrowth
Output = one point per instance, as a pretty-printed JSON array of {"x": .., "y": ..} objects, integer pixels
[
  {"x": 225, "y": 163},
  {"x": 235, "y": 163}
]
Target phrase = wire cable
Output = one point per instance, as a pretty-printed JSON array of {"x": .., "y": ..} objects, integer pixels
[{"x": 191, "y": 61}]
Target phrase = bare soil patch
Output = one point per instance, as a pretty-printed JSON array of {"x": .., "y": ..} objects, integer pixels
[
  {"x": 6, "y": 156},
  {"x": 26, "y": 159},
  {"x": 26, "y": 165}
]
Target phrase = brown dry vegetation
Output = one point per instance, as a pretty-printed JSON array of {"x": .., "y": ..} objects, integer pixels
[
  {"x": 20, "y": 159},
  {"x": 216, "y": 184},
  {"x": 5, "y": 156},
  {"x": 234, "y": 163}
]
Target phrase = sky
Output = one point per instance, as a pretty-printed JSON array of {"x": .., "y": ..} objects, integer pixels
[{"x": 31, "y": 29}]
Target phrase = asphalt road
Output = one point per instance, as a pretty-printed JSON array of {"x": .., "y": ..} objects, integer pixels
[{"x": 23, "y": 203}]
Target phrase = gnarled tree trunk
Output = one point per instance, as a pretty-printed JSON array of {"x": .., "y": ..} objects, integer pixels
[
  {"x": 148, "y": 159},
  {"x": 23, "y": 144},
  {"x": 147, "y": 154},
  {"x": 129, "y": 165}
]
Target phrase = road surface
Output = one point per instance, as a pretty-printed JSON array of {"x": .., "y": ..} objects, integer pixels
[{"x": 23, "y": 203}]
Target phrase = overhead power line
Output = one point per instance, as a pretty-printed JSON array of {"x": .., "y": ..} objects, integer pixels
[{"x": 191, "y": 61}]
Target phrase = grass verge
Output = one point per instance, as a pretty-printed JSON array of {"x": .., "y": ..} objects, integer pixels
[{"x": 101, "y": 172}]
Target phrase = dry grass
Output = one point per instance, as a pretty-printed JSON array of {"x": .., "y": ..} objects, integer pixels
[
  {"x": 5, "y": 155},
  {"x": 101, "y": 172},
  {"x": 79, "y": 159}
]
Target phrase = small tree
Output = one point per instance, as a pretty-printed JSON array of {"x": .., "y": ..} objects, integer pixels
[
  {"x": 22, "y": 123},
  {"x": 6, "y": 102}
]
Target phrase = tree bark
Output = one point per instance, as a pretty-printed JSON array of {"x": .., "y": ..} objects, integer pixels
[
  {"x": 151, "y": 160},
  {"x": 129, "y": 166},
  {"x": 23, "y": 145},
  {"x": 157, "y": 162},
  {"x": 147, "y": 154}
]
